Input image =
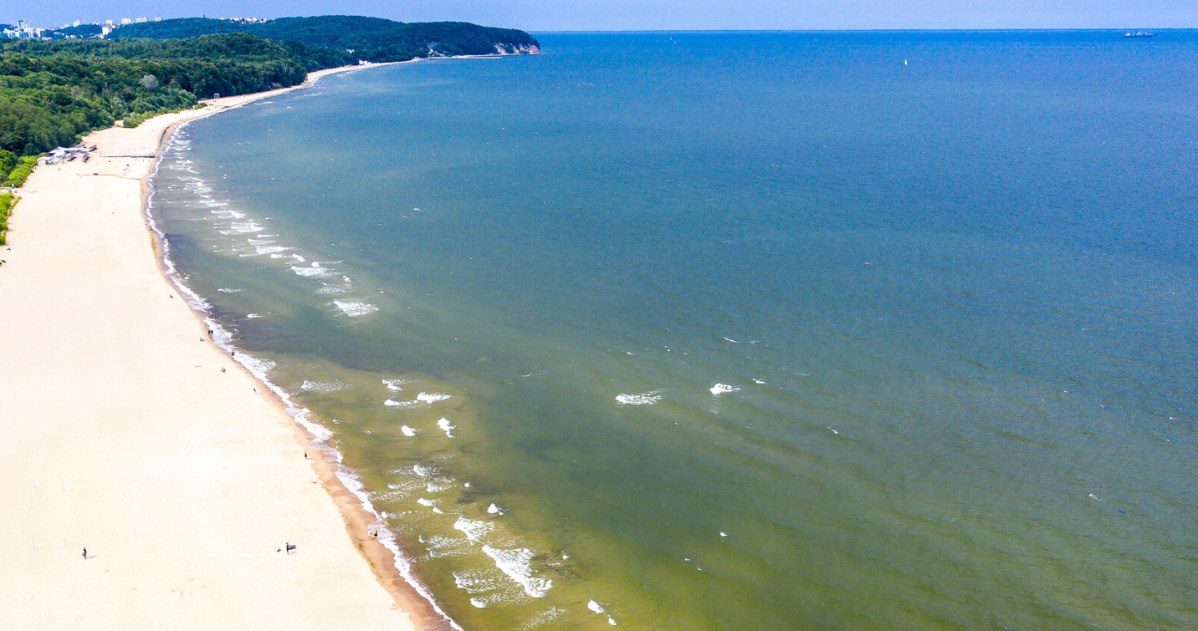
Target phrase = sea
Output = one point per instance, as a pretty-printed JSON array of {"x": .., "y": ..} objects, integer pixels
[{"x": 735, "y": 330}]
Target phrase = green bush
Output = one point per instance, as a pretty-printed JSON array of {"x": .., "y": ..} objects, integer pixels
[
  {"x": 21, "y": 172},
  {"x": 7, "y": 201},
  {"x": 8, "y": 160}
]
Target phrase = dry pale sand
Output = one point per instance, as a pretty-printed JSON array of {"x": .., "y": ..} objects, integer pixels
[{"x": 122, "y": 434}]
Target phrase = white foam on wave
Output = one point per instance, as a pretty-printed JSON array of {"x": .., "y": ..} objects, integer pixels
[
  {"x": 431, "y": 397},
  {"x": 259, "y": 368},
  {"x": 758, "y": 381},
  {"x": 392, "y": 403},
  {"x": 446, "y": 427},
  {"x": 253, "y": 316},
  {"x": 394, "y": 384},
  {"x": 407, "y": 431},
  {"x": 494, "y": 510},
  {"x": 474, "y": 529},
  {"x": 313, "y": 270},
  {"x": 355, "y": 308},
  {"x": 474, "y": 582},
  {"x": 321, "y": 386},
  {"x": 230, "y": 290},
  {"x": 438, "y": 546},
  {"x": 517, "y": 564},
  {"x": 275, "y": 251},
  {"x": 423, "y": 471},
  {"x": 438, "y": 484},
  {"x": 543, "y": 618},
  {"x": 243, "y": 227},
  {"x": 648, "y": 398},
  {"x": 723, "y": 388},
  {"x": 332, "y": 290}
]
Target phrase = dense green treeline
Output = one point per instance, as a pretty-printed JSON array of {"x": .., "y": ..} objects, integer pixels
[
  {"x": 52, "y": 92},
  {"x": 369, "y": 39}
]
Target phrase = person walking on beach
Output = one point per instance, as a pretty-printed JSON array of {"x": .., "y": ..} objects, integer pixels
[{"x": 85, "y": 554}]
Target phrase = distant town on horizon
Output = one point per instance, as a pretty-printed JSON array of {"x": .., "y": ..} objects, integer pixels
[{"x": 78, "y": 29}]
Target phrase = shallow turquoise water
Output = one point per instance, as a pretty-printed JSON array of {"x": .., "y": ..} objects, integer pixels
[{"x": 738, "y": 330}]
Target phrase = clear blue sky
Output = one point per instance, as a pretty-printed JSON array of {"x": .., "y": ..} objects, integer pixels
[{"x": 548, "y": 15}]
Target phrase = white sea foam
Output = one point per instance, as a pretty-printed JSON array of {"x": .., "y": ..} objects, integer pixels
[
  {"x": 332, "y": 290},
  {"x": 431, "y": 397},
  {"x": 230, "y": 290},
  {"x": 436, "y": 485},
  {"x": 439, "y": 546},
  {"x": 243, "y": 227},
  {"x": 423, "y": 471},
  {"x": 224, "y": 339},
  {"x": 446, "y": 427},
  {"x": 476, "y": 582},
  {"x": 258, "y": 367},
  {"x": 407, "y": 431},
  {"x": 355, "y": 308},
  {"x": 723, "y": 388},
  {"x": 494, "y": 510},
  {"x": 595, "y": 607},
  {"x": 758, "y": 382},
  {"x": 253, "y": 316},
  {"x": 648, "y": 398},
  {"x": 274, "y": 251},
  {"x": 545, "y": 617},
  {"x": 516, "y": 563},
  {"x": 474, "y": 529},
  {"x": 321, "y": 386},
  {"x": 394, "y": 384},
  {"x": 313, "y": 270},
  {"x": 392, "y": 403}
]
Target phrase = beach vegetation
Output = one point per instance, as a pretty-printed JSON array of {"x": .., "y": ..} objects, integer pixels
[
  {"x": 8, "y": 160},
  {"x": 19, "y": 173},
  {"x": 7, "y": 201}
]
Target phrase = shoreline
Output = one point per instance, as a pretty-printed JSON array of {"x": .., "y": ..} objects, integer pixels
[
  {"x": 360, "y": 520},
  {"x": 74, "y": 283}
]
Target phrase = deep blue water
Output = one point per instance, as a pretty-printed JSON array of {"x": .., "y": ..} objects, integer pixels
[{"x": 739, "y": 330}]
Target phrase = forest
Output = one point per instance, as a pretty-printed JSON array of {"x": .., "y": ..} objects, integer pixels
[
  {"x": 52, "y": 92},
  {"x": 363, "y": 38}
]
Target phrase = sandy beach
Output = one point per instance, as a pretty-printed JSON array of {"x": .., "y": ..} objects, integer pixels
[{"x": 128, "y": 433}]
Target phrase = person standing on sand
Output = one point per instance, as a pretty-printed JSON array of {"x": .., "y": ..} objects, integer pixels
[{"x": 85, "y": 554}]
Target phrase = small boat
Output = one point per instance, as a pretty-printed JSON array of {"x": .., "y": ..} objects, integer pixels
[{"x": 1139, "y": 34}]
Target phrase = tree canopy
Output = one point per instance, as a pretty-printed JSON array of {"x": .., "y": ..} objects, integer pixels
[{"x": 51, "y": 92}]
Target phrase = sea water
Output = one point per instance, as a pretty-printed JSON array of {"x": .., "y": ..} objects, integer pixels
[{"x": 736, "y": 330}]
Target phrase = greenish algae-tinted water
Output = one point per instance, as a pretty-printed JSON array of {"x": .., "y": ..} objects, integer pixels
[{"x": 738, "y": 330}]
